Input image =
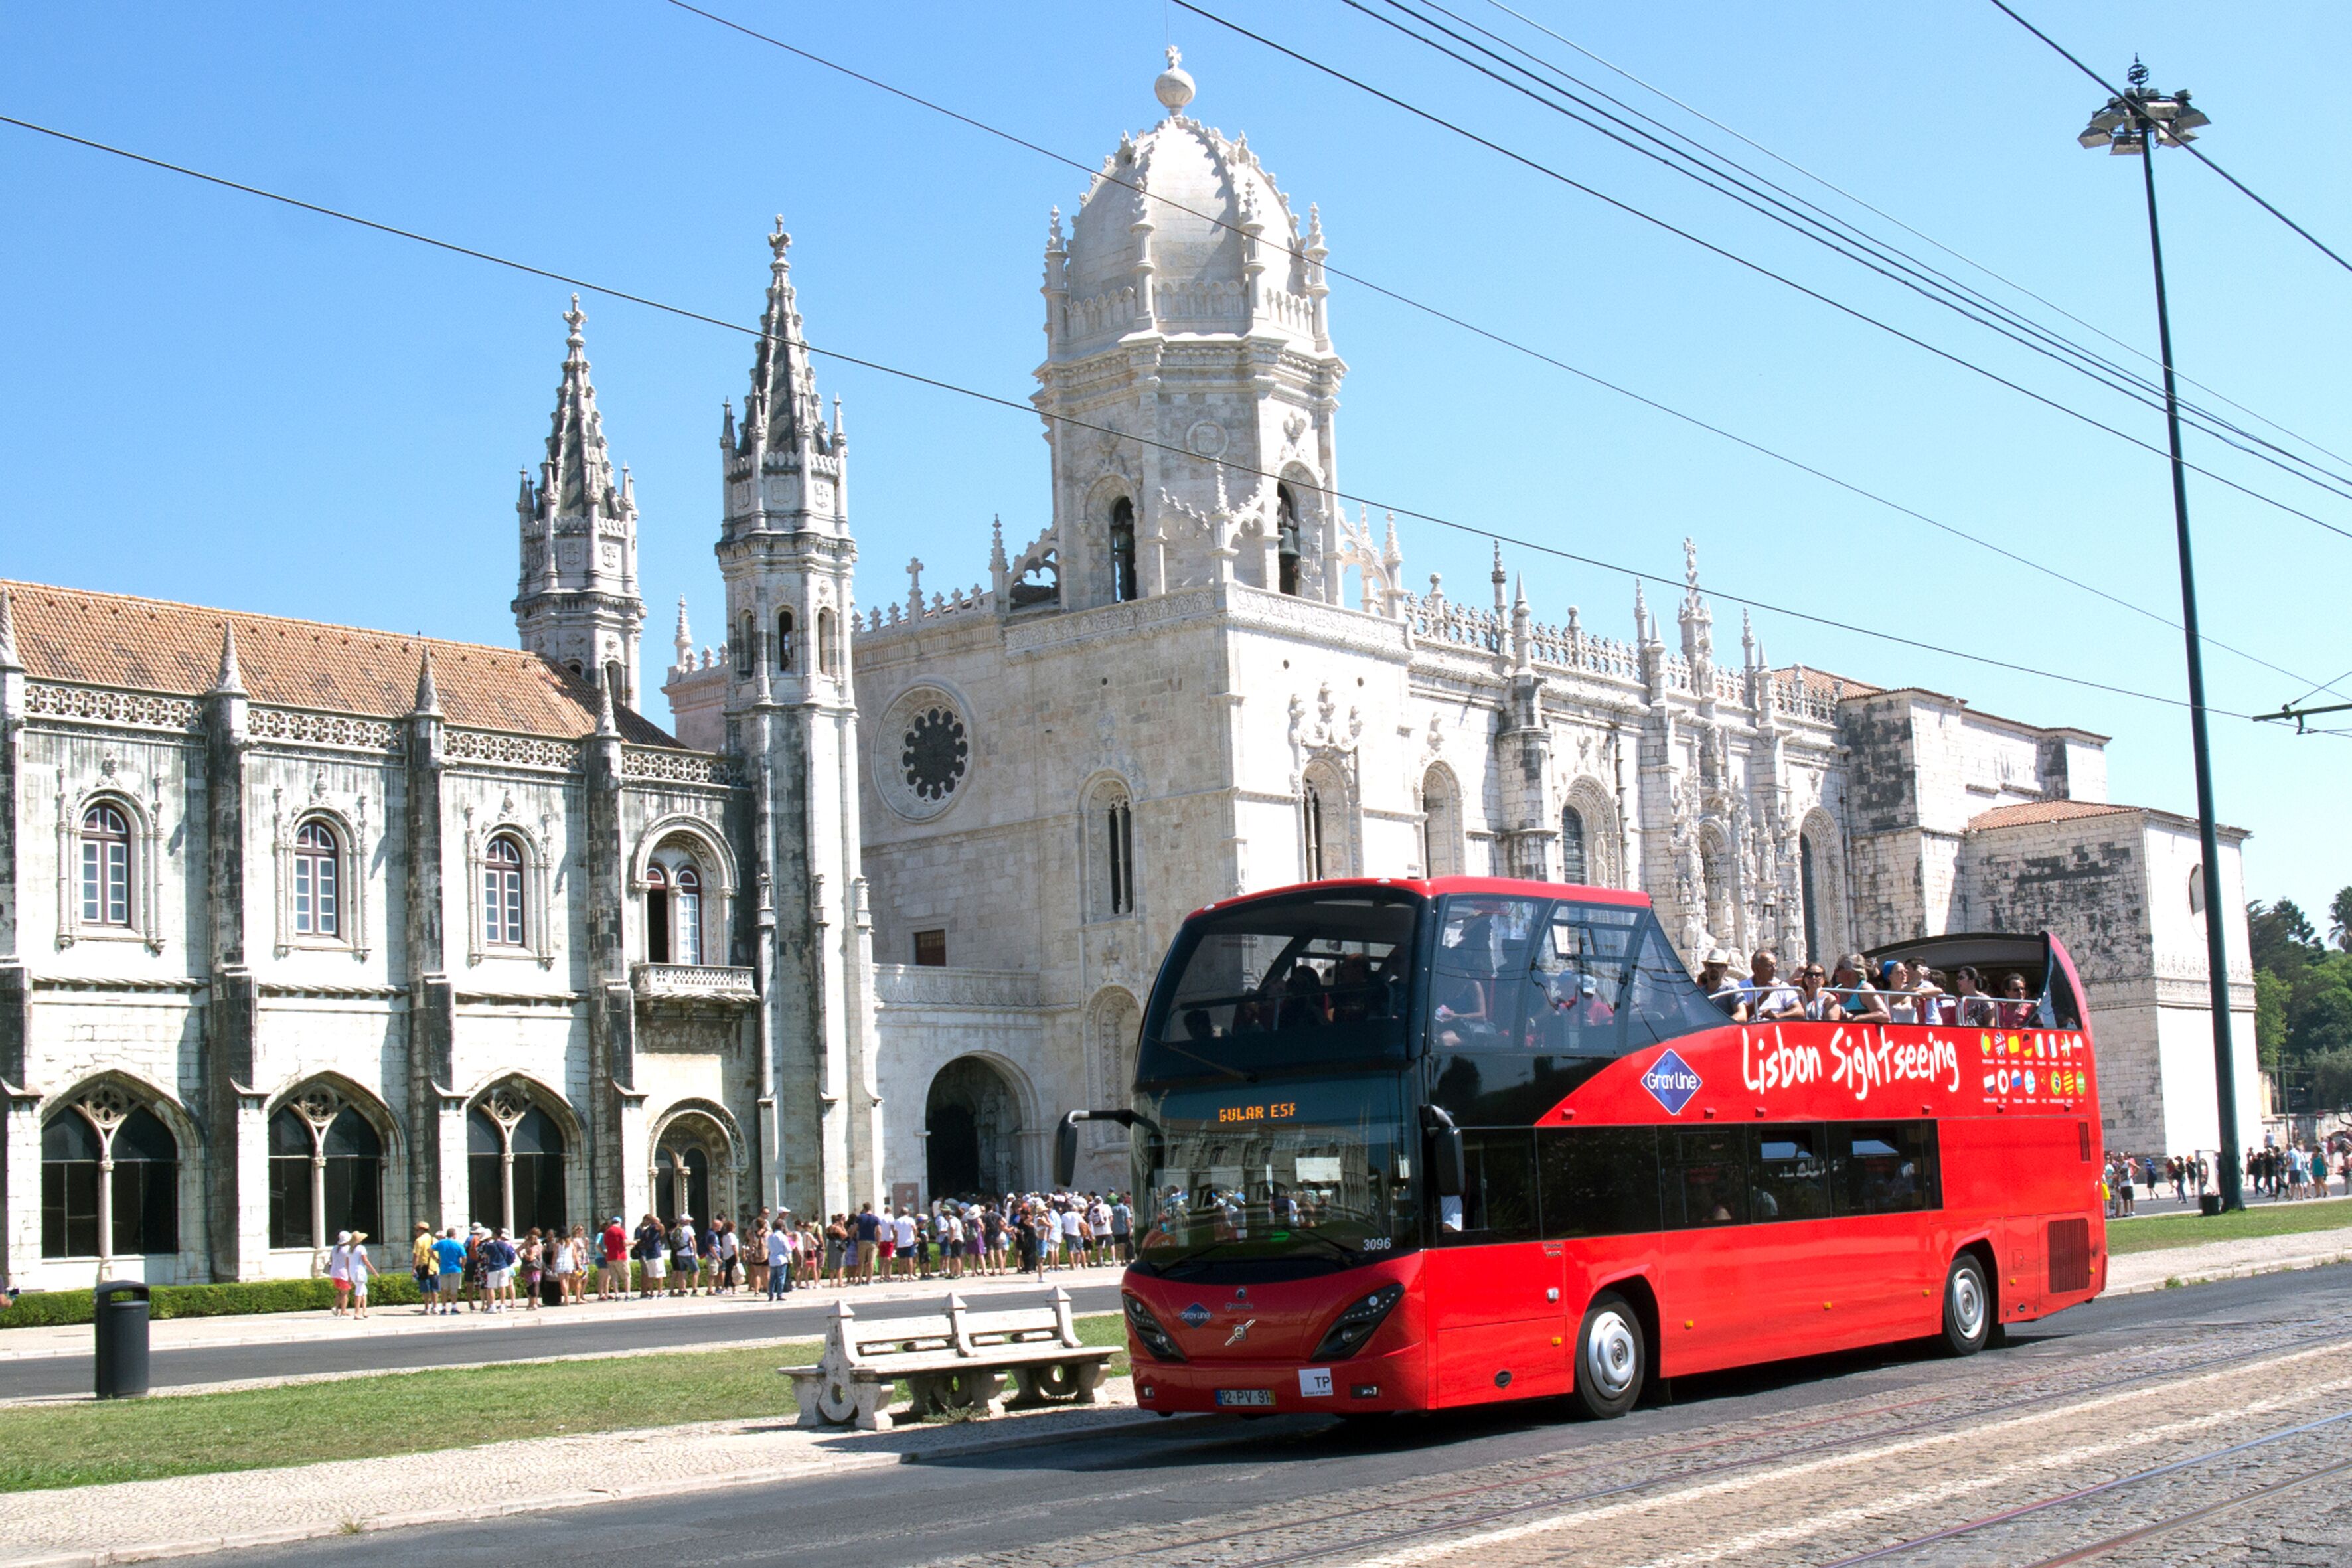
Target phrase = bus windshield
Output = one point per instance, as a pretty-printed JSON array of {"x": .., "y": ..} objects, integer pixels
[
  {"x": 1313, "y": 978},
  {"x": 1301, "y": 1177}
]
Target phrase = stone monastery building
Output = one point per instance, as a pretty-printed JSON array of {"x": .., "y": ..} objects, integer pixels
[{"x": 305, "y": 928}]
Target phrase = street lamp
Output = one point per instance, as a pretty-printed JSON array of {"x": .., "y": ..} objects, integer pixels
[{"x": 2134, "y": 124}]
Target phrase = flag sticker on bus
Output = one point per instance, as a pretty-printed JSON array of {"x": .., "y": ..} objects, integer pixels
[{"x": 1671, "y": 1082}]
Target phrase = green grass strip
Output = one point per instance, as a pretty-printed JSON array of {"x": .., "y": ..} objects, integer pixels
[
  {"x": 81, "y": 1444},
  {"x": 2156, "y": 1233}
]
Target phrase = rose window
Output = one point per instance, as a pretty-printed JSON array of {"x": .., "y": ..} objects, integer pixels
[{"x": 933, "y": 753}]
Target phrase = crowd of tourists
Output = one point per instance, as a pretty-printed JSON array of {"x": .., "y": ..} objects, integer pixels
[
  {"x": 2292, "y": 1171},
  {"x": 1893, "y": 991},
  {"x": 478, "y": 1269}
]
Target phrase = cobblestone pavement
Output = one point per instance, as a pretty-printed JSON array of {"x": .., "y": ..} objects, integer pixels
[{"x": 1861, "y": 1479}]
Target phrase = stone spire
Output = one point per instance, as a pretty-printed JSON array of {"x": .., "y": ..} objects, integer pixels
[
  {"x": 782, "y": 461},
  {"x": 577, "y": 603},
  {"x": 684, "y": 641},
  {"x": 228, "y": 682},
  {"x": 1697, "y": 619},
  {"x": 429, "y": 696}
]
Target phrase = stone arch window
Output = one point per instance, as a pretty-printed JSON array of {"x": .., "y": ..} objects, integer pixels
[
  {"x": 1821, "y": 888},
  {"x": 784, "y": 648},
  {"x": 326, "y": 1171},
  {"x": 106, "y": 867},
  {"x": 1110, "y": 832},
  {"x": 1809, "y": 896},
  {"x": 828, "y": 642},
  {"x": 514, "y": 1162},
  {"x": 318, "y": 881},
  {"x": 109, "y": 1180},
  {"x": 1312, "y": 818},
  {"x": 1575, "y": 861},
  {"x": 504, "y": 920},
  {"x": 612, "y": 681},
  {"x": 657, "y": 916},
  {"x": 675, "y": 907},
  {"x": 1288, "y": 537},
  {"x": 1441, "y": 824},
  {"x": 1124, "y": 585},
  {"x": 747, "y": 644},
  {"x": 2197, "y": 889},
  {"x": 1715, "y": 867}
]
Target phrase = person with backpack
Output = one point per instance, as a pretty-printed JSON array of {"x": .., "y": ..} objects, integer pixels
[
  {"x": 653, "y": 1258},
  {"x": 422, "y": 1264},
  {"x": 684, "y": 1264}
]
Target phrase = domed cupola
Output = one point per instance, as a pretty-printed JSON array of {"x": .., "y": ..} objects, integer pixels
[
  {"x": 1184, "y": 233},
  {"x": 1189, "y": 387}
]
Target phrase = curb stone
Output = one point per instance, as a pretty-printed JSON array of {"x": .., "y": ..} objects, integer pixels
[{"x": 832, "y": 1462}]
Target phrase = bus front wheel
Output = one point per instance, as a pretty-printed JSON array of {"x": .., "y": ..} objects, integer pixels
[
  {"x": 1967, "y": 1306},
  {"x": 1611, "y": 1358}
]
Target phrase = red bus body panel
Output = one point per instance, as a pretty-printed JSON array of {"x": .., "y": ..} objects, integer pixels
[{"x": 2016, "y": 1119}]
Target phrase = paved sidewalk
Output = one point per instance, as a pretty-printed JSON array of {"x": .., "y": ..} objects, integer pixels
[
  {"x": 2137, "y": 1271},
  {"x": 186, "y": 1515},
  {"x": 296, "y": 1327}
]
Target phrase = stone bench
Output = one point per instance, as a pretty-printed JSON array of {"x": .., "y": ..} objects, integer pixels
[{"x": 952, "y": 1363}]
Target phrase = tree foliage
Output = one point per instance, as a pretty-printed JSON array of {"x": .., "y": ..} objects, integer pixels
[{"x": 2303, "y": 991}]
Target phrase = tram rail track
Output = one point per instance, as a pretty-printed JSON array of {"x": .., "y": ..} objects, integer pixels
[
  {"x": 1389, "y": 1539},
  {"x": 2154, "y": 1472}
]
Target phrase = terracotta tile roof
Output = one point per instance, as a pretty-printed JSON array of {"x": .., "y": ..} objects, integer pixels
[
  {"x": 1826, "y": 684},
  {"x": 2029, "y": 813},
  {"x": 154, "y": 645}
]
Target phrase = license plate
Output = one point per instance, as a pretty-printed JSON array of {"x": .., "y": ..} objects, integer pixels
[
  {"x": 1315, "y": 1382},
  {"x": 1246, "y": 1396}
]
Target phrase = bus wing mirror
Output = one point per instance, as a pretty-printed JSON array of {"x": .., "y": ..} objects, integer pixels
[
  {"x": 1448, "y": 1171},
  {"x": 1066, "y": 1140},
  {"x": 1447, "y": 1166}
]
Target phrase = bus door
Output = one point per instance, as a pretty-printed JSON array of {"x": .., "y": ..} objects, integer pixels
[{"x": 1494, "y": 1284}]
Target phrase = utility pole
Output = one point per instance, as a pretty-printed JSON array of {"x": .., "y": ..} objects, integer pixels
[{"x": 2137, "y": 123}]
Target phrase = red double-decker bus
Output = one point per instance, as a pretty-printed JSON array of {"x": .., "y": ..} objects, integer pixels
[{"x": 1414, "y": 1144}]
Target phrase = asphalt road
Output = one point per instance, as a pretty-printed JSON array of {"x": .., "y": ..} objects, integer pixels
[
  {"x": 1180, "y": 1478},
  {"x": 523, "y": 1340}
]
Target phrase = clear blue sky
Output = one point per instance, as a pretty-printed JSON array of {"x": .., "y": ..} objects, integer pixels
[{"x": 208, "y": 398}]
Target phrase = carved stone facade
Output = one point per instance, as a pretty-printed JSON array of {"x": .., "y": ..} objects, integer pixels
[{"x": 893, "y": 899}]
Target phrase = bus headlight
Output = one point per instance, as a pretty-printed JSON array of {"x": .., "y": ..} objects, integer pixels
[
  {"x": 1348, "y": 1332},
  {"x": 1147, "y": 1329}
]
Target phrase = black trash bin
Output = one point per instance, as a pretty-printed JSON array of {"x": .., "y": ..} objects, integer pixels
[{"x": 121, "y": 1316}]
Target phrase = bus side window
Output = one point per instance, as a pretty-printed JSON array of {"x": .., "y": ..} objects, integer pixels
[
  {"x": 1575, "y": 994},
  {"x": 1498, "y": 1200},
  {"x": 1704, "y": 1180},
  {"x": 1790, "y": 1176},
  {"x": 1598, "y": 1180},
  {"x": 1666, "y": 1002},
  {"x": 1884, "y": 1167},
  {"x": 1481, "y": 960}
]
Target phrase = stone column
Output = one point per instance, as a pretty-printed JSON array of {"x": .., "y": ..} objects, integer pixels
[
  {"x": 235, "y": 1181},
  {"x": 431, "y": 998}
]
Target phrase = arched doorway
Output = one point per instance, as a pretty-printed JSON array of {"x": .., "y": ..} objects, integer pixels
[
  {"x": 974, "y": 1122},
  {"x": 694, "y": 1169}
]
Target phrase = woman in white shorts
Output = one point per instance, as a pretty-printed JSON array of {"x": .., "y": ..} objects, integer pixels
[{"x": 361, "y": 1268}]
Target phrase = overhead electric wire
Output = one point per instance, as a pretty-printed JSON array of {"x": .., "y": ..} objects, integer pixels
[
  {"x": 1706, "y": 166},
  {"x": 1839, "y": 191},
  {"x": 1437, "y": 313},
  {"x": 1737, "y": 259},
  {"x": 1027, "y": 409},
  {"x": 2069, "y": 57}
]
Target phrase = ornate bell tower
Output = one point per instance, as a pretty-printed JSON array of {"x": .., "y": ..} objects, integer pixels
[
  {"x": 789, "y": 563},
  {"x": 577, "y": 602}
]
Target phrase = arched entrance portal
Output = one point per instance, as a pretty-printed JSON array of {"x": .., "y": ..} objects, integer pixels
[
  {"x": 973, "y": 1124},
  {"x": 693, "y": 1172}
]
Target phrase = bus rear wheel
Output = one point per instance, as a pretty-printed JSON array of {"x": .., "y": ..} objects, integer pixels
[
  {"x": 1967, "y": 1306},
  {"x": 1612, "y": 1360}
]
